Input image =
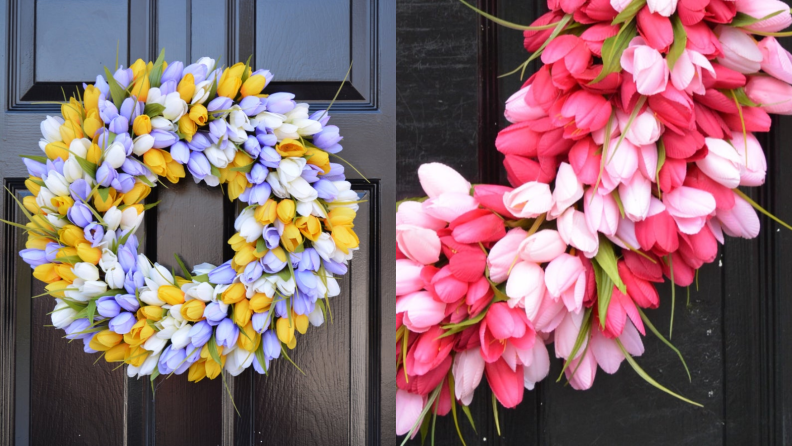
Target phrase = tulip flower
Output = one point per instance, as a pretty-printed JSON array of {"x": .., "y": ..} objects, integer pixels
[
  {"x": 437, "y": 179},
  {"x": 647, "y": 66},
  {"x": 574, "y": 231},
  {"x": 478, "y": 225},
  {"x": 506, "y": 383},
  {"x": 541, "y": 247},
  {"x": 740, "y": 52},
  {"x": 635, "y": 196},
  {"x": 602, "y": 212},
  {"x": 764, "y": 8},
  {"x": 468, "y": 369},
  {"x": 419, "y": 244},
  {"x": 569, "y": 48},
  {"x": 504, "y": 254},
  {"x": 568, "y": 190},
  {"x": 525, "y": 287},
  {"x": 566, "y": 277},
  {"x": 658, "y": 232},
  {"x": 739, "y": 221},
  {"x": 408, "y": 408},
  {"x": 518, "y": 109},
  {"x": 689, "y": 207},
  {"x": 421, "y": 311},
  {"x": 776, "y": 61},
  {"x": 529, "y": 200},
  {"x": 753, "y": 167},
  {"x": 449, "y": 206},
  {"x": 772, "y": 95},
  {"x": 722, "y": 163},
  {"x": 655, "y": 27}
]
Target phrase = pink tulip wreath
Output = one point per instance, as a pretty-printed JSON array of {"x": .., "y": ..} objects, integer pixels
[{"x": 625, "y": 154}]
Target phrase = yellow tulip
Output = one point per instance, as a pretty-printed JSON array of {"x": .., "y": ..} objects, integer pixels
[
  {"x": 286, "y": 211},
  {"x": 340, "y": 216},
  {"x": 174, "y": 171},
  {"x": 280, "y": 254},
  {"x": 36, "y": 241},
  {"x": 309, "y": 227},
  {"x": 66, "y": 272},
  {"x": 94, "y": 154},
  {"x": 93, "y": 122},
  {"x": 241, "y": 159},
  {"x": 242, "y": 312},
  {"x": 62, "y": 204},
  {"x": 55, "y": 150},
  {"x": 47, "y": 273},
  {"x": 138, "y": 68},
  {"x": 229, "y": 87},
  {"x": 186, "y": 87},
  {"x": 136, "y": 356},
  {"x": 91, "y": 98},
  {"x": 170, "y": 295},
  {"x": 253, "y": 85},
  {"x": 318, "y": 158},
  {"x": 118, "y": 353},
  {"x": 142, "y": 125},
  {"x": 196, "y": 372},
  {"x": 72, "y": 111},
  {"x": 290, "y": 147},
  {"x": 63, "y": 253},
  {"x": 245, "y": 255},
  {"x": 108, "y": 338},
  {"x": 34, "y": 188},
  {"x": 88, "y": 253},
  {"x": 252, "y": 340},
  {"x": 193, "y": 310},
  {"x": 113, "y": 199},
  {"x": 266, "y": 213},
  {"x": 152, "y": 312},
  {"x": 69, "y": 131},
  {"x": 198, "y": 114},
  {"x": 236, "y": 185},
  {"x": 140, "y": 88},
  {"x": 284, "y": 330},
  {"x": 237, "y": 70},
  {"x": 234, "y": 293},
  {"x": 237, "y": 242},
  {"x": 345, "y": 238},
  {"x": 138, "y": 193},
  {"x": 140, "y": 332},
  {"x": 57, "y": 289},
  {"x": 213, "y": 369},
  {"x": 291, "y": 237},
  {"x": 301, "y": 322},
  {"x": 71, "y": 235},
  {"x": 260, "y": 302},
  {"x": 187, "y": 127}
]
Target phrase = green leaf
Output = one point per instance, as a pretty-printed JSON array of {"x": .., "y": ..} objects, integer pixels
[
  {"x": 215, "y": 171},
  {"x": 606, "y": 259},
  {"x": 87, "y": 166},
  {"x": 90, "y": 312},
  {"x": 104, "y": 192},
  {"x": 453, "y": 407},
  {"x": 507, "y": 24},
  {"x": 284, "y": 274},
  {"x": 673, "y": 294},
  {"x": 654, "y": 330},
  {"x": 661, "y": 157},
  {"x": 246, "y": 71},
  {"x": 629, "y": 12},
  {"x": 153, "y": 110},
  {"x": 183, "y": 267},
  {"x": 743, "y": 20},
  {"x": 260, "y": 247},
  {"x": 260, "y": 358},
  {"x": 680, "y": 41},
  {"x": 155, "y": 75},
  {"x": 151, "y": 205},
  {"x": 585, "y": 328},
  {"x": 116, "y": 92},
  {"x": 613, "y": 47},
  {"x": 247, "y": 168},
  {"x": 743, "y": 98},
  {"x": 648, "y": 378},
  {"x": 213, "y": 350},
  {"x": 40, "y": 159},
  {"x": 760, "y": 208},
  {"x": 145, "y": 181},
  {"x": 286, "y": 355},
  {"x": 604, "y": 292},
  {"x": 495, "y": 413},
  {"x": 617, "y": 199},
  {"x": 466, "y": 409},
  {"x": 456, "y": 328},
  {"x": 203, "y": 278}
]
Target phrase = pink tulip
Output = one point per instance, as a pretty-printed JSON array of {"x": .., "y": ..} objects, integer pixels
[
  {"x": 568, "y": 190},
  {"x": 698, "y": 249},
  {"x": 412, "y": 213},
  {"x": 643, "y": 268},
  {"x": 518, "y": 110},
  {"x": 574, "y": 231},
  {"x": 539, "y": 366},
  {"x": 740, "y": 52},
  {"x": 658, "y": 232},
  {"x": 647, "y": 66},
  {"x": 596, "y": 35},
  {"x": 755, "y": 119},
  {"x": 568, "y": 6},
  {"x": 569, "y": 48},
  {"x": 620, "y": 308},
  {"x": 686, "y": 75},
  {"x": 763, "y": 8},
  {"x": 530, "y": 200},
  {"x": 753, "y": 168},
  {"x": 551, "y": 313},
  {"x": 584, "y": 157},
  {"x": 541, "y": 247},
  {"x": 684, "y": 146},
  {"x": 773, "y": 95},
  {"x": 701, "y": 38},
  {"x": 710, "y": 122},
  {"x": 490, "y": 196},
  {"x": 504, "y": 254},
  {"x": 535, "y": 39},
  {"x": 655, "y": 29},
  {"x": 519, "y": 139},
  {"x": 582, "y": 371},
  {"x": 437, "y": 178},
  {"x": 419, "y": 244},
  {"x": 625, "y": 235},
  {"x": 566, "y": 335},
  {"x": 776, "y": 60},
  {"x": 683, "y": 273},
  {"x": 426, "y": 383},
  {"x": 602, "y": 212},
  {"x": 635, "y": 196},
  {"x": 622, "y": 160},
  {"x": 589, "y": 111},
  {"x": 477, "y": 226},
  {"x": 467, "y": 265},
  {"x": 503, "y": 325},
  {"x": 663, "y": 7},
  {"x": 721, "y": 11},
  {"x": 690, "y": 208},
  {"x": 506, "y": 384},
  {"x": 449, "y": 206},
  {"x": 468, "y": 370},
  {"x": 429, "y": 351},
  {"x": 641, "y": 291},
  {"x": 408, "y": 277},
  {"x": 724, "y": 198},
  {"x": 672, "y": 174},
  {"x": 605, "y": 351},
  {"x": 739, "y": 221},
  {"x": 446, "y": 287},
  {"x": 619, "y": 5},
  {"x": 722, "y": 163},
  {"x": 478, "y": 296},
  {"x": 691, "y": 12},
  {"x": 645, "y": 129},
  {"x": 525, "y": 287},
  {"x": 723, "y": 78},
  {"x": 674, "y": 108},
  {"x": 408, "y": 408},
  {"x": 421, "y": 311},
  {"x": 565, "y": 277}
]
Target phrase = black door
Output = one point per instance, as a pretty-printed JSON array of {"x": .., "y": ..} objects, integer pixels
[
  {"x": 735, "y": 334},
  {"x": 50, "y": 391}
]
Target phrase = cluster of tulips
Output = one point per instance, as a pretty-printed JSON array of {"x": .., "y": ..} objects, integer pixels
[{"x": 625, "y": 153}]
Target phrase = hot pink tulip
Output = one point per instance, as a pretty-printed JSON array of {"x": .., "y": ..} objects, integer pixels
[
  {"x": 408, "y": 277},
  {"x": 690, "y": 208},
  {"x": 568, "y": 6},
  {"x": 655, "y": 29},
  {"x": 635, "y": 196},
  {"x": 724, "y": 198},
  {"x": 477, "y": 226},
  {"x": 565, "y": 277},
  {"x": 429, "y": 351},
  {"x": 647, "y": 66},
  {"x": 773, "y": 95},
  {"x": 753, "y": 167},
  {"x": 525, "y": 287},
  {"x": 698, "y": 249},
  {"x": 710, "y": 122},
  {"x": 449, "y": 206},
  {"x": 535, "y": 39},
  {"x": 595, "y": 36},
  {"x": 739, "y": 221},
  {"x": 754, "y": 119},
  {"x": 684, "y": 274},
  {"x": 602, "y": 212},
  {"x": 574, "y": 231},
  {"x": 674, "y": 109},
  {"x": 419, "y": 244},
  {"x": 504, "y": 254},
  {"x": 620, "y": 308},
  {"x": 530, "y": 200},
  {"x": 584, "y": 157},
  {"x": 763, "y": 8},
  {"x": 412, "y": 213},
  {"x": 776, "y": 60},
  {"x": 740, "y": 52},
  {"x": 590, "y": 111},
  {"x": 468, "y": 370},
  {"x": 722, "y": 163},
  {"x": 658, "y": 232},
  {"x": 672, "y": 174},
  {"x": 408, "y": 408},
  {"x": 723, "y": 78},
  {"x": 519, "y": 139},
  {"x": 421, "y": 311},
  {"x": 426, "y": 383},
  {"x": 641, "y": 291},
  {"x": 506, "y": 384},
  {"x": 568, "y": 190},
  {"x": 643, "y": 268},
  {"x": 721, "y": 11},
  {"x": 518, "y": 110},
  {"x": 686, "y": 75},
  {"x": 569, "y": 48},
  {"x": 691, "y": 12},
  {"x": 468, "y": 265},
  {"x": 541, "y": 247},
  {"x": 437, "y": 178},
  {"x": 701, "y": 38},
  {"x": 504, "y": 325},
  {"x": 446, "y": 287},
  {"x": 490, "y": 196}
]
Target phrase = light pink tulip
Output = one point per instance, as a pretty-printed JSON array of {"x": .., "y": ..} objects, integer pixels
[
  {"x": 635, "y": 196},
  {"x": 541, "y": 247},
  {"x": 565, "y": 277},
  {"x": 408, "y": 408},
  {"x": 525, "y": 287},
  {"x": 776, "y": 60},
  {"x": 773, "y": 95},
  {"x": 663, "y": 7},
  {"x": 412, "y": 213},
  {"x": 753, "y": 168},
  {"x": 739, "y": 221},
  {"x": 763, "y": 8},
  {"x": 518, "y": 110},
  {"x": 421, "y": 311},
  {"x": 419, "y": 244},
  {"x": 645, "y": 128},
  {"x": 582, "y": 371},
  {"x": 566, "y": 335},
  {"x": 504, "y": 254},
  {"x": 722, "y": 163},
  {"x": 626, "y": 234},
  {"x": 574, "y": 231},
  {"x": 602, "y": 212},
  {"x": 530, "y": 200},
  {"x": 437, "y": 178},
  {"x": 606, "y": 352},
  {"x": 647, "y": 161},
  {"x": 619, "y": 5},
  {"x": 539, "y": 367},
  {"x": 622, "y": 160},
  {"x": 689, "y": 207},
  {"x": 507, "y": 384},
  {"x": 449, "y": 206},
  {"x": 408, "y": 277},
  {"x": 686, "y": 75},
  {"x": 568, "y": 190},
  {"x": 468, "y": 369},
  {"x": 647, "y": 66},
  {"x": 740, "y": 52}
]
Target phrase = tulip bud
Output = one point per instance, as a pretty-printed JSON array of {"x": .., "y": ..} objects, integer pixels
[
  {"x": 290, "y": 148},
  {"x": 88, "y": 253},
  {"x": 193, "y": 310},
  {"x": 186, "y": 87},
  {"x": 285, "y": 330},
  {"x": 291, "y": 237},
  {"x": 229, "y": 87},
  {"x": 345, "y": 238},
  {"x": 234, "y": 293},
  {"x": 286, "y": 211},
  {"x": 253, "y": 85},
  {"x": 142, "y": 125}
]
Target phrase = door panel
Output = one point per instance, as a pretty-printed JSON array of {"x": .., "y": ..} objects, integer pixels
[{"x": 51, "y": 391}]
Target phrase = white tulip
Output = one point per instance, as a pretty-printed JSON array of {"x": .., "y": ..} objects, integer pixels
[
  {"x": 108, "y": 260},
  {"x": 203, "y": 268},
  {"x": 286, "y": 130},
  {"x": 304, "y": 208},
  {"x": 208, "y": 62},
  {"x": 161, "y": 123},
  {"x": 160, "y": 275},
  {"x": 112, "y": 218},
  {"x": 114, "y": 276},
  {"x": 130, "y": 219},
  {"x": 290, "y": 168},
  {"x": 149, "y": 297},
  {"x": 316, "y": 317},
  {"x": 201, "y": 93},
  {"x": 86, "y": 271},
  {"x": 301, "y": 190},
  {"x": 72, "y": 170},
  {"x": 200, "y": 291},
  {"x": 63, "y": 314},
  {"x": 115, "y": 155},
  {"x": 80, "y": 146},
  {"x": 142, "y": 144},
  {"x": 44, "y": 198},
  {"x": 307, "y": 127},
  {"x": 143, "y": 265},
  {"x": 57, "y": 184},
  {"x": 145, "y": 369},
  {"x": 324, "y": 245},
  {"x": 238, "y": 361},
  {"x": 175, "y": 107},
  {"x": 300, "y": 111},
  {"x": 155, "y": 96},
  {"x": 155, "y": 343},
  {"x": 277, "y": 187},
  {"x": 57, "y": 221},
  {"x": 251, "y": 230},
  {"x": 317, "y": 210},
  {"x": 181, "y": 337},
  {"x": 270, "y": 120},
  {"x": 286, "y": 287},
  {"x": 93, "y": 288},
  {"x": 50, "y": 128},
  {"x": 216, "y": 157}
]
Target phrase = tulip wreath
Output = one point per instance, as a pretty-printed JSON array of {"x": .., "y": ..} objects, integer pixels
[
  {"x": 114, "y": 142},
  {"x": 625, "y": 154}
]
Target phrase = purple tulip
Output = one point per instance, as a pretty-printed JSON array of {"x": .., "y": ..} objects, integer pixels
[
  {"x": 34, "y": 257},
  {"x": 105, "y": 175},
  {"x": 107, "y": 306},
  {"x": 328, "y": 139},
  {"x": 258, "y": 174},
  {"x": 168, "y": 87},
  {"x": 119, "y": 124},
  {"x": 94, "y": 233},
  {"x": 219, "y": 103},
  {"x": 214, "y": 313},
  {"x": 271, "y": 263},
  {"x": 162, "y": 363},
  {"x": 127, "y": 107},
  {"x": 123, "y": 183},
  {"x": 177, "y": 361},
  {"x": 80, "y": 214},
  {"x": 336, "y": 173},
  {"x": 259, "y": 193},
  {"x": 280, "y": 103},
  {"x": 76, "y": 329},
  {"x": 223, "y": 274},
  {"x": 124, "y": 76},
  {"x": 250, "y": 105},
  {"x": 323, "y": 113},
  {"x": 269, "y": 157},
  {"x": 128, "y": 302},
  {"x": 197, "y": 70},
  {"x": 270, "y": 344},
  {"x": 271, "y": 237},
  {"x": 252, "y": 146},
  {"x": 122, "y": 324},
  {"x": 200, "y": 334},
  {"x": 306, "y": 282},
  {"x": 198, "y": 165},
  {"x": 101, "y": 84},
  {"x": 265, "y": 137},
  {"x": 261, "y": 321},
  {"x": 227, "y": 333},
  {"x": 173, "y": 72},
  {"x": 217, "y": 129},
  {"x": 108, "y": 112},
  {"x": 281, "y": 308},
  {"x": 310, "y": 173},
  {"x": 51, "y": 251},
  {"x": 336, "y": 268},
  {"x": 135, "y": 168},
  {"x": 200, "y": 142},
  {"x": 252, "y": 272},
  {"x": 309, "y": 261},
  {"x": 133, "y": 280},
  {"x": 36, "y": 168},
  {"x": 163, "y": 139},
  {"x": 127, "y": 258},
  {"x": 258, "y": 367},
  {"x": 56, "y": 165},
  {"x": 86, "y": 344},
  {"x": 303, "y": 304},
  {"x": 180, "y": 152},
  {"x": 326, "y": 190},
  {"x": 80, "y": 190}
]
